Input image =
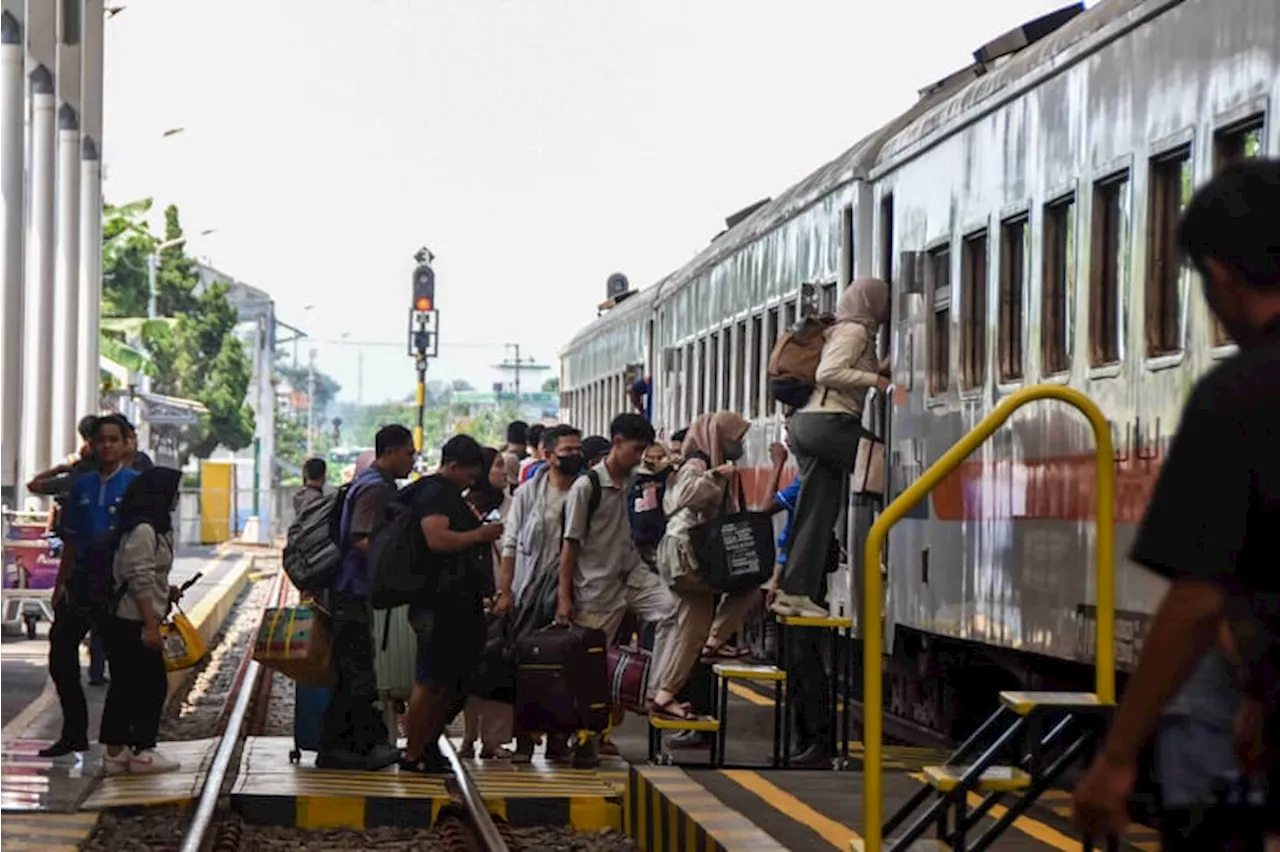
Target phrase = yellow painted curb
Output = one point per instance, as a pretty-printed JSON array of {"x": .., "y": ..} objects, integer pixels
[{"x": 208, "y": 615}]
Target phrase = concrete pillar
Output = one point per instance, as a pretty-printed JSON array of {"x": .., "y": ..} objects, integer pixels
[
  {"x": 88, "y": 379},
  {"x": 38, "y": 251},
  {"x": 66, "y": 312},
  {"x": 12, "y": 189}
]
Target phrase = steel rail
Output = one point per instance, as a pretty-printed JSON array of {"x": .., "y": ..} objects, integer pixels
[
  {"x": 471, "y": 800},
  {"x": 211, "y": 790}
]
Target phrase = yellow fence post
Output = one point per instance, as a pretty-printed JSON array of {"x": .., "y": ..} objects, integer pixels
[{"x": 872, "y": 627}]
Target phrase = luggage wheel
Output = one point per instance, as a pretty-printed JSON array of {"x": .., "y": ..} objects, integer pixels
[{"x": 295, "y": 756}]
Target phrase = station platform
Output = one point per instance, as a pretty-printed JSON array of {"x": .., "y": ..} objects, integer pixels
[
  {"x": 52, "y": 804},
  {"x": 269, "y": 790}
]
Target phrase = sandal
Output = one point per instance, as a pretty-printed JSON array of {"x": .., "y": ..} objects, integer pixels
[
  {"x": 679, "y": 711},
  {"x": 724, "y": 652},
  {"x": 498, "y": 753}
]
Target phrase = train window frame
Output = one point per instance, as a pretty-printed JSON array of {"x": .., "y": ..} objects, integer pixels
[
  {"x": 1105, "y": 180},
  {"x": 1247, "y": 117},
  {"x": 756, "y": 366},
  {"x": 828, "y": 296},
  {"x": 1071, "y": 259},
  {"x": 1015, "y": 216},
  {"x": 974, "y": 296},
  {"x": 715, "y": 349},
  {"x": 884, "y": 237},
  {"x": 935, "y": 304},
  {"x": 691, "y": 386},
  {"x": 1177, "y": 148},
  {"x": 773, "y": 317},
  {"x": 700, "y": 370},
  {"x": 739, "y": 401}
]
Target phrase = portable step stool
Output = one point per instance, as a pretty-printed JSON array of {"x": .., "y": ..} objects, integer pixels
[
  {"x": 726, "y": 672},
  {"x": 839, "y": 719},
  {"x": 658, "y": 724},
  {"x": 1075, "y": 722}
]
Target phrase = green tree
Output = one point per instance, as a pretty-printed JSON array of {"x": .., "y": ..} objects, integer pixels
[
  {"x": 291, "y": 432},
  {"x": 196, "y": 354},
  {"x": 551, "y": 385},
  {"x": 126, "y": 243}
]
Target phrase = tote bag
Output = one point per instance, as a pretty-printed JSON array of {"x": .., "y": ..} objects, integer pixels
[{"x": 735, "y": 549}]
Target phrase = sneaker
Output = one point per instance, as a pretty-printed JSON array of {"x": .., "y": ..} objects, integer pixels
[
  {"x": 151, "y": 762},
  {"x": 381, "y": 756},
  {"x": 117, "y": 765},
  {"x": 798, "y": 605},
  {"x": 61, "y": 748}
]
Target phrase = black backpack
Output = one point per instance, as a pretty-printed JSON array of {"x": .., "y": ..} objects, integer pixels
[
  {"x": 398, "y": 554},
  {"x": 649, "y": 524},
  {"x": 313, "y": 550}
]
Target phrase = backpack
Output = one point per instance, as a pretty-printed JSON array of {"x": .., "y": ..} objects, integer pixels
[
  {"x": 313, "y": 549},
  {"x": 644, "y": 508},
  {"x": 793, "y": 363},
  {"x": 593, "y": 503},
  {"x": 398, "y": 554}
]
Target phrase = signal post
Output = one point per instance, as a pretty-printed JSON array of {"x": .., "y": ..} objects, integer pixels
[{"x": 424, "y": 342}]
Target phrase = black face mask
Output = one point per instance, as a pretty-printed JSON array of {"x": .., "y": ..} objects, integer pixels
[{"x": 570, "y": 465}]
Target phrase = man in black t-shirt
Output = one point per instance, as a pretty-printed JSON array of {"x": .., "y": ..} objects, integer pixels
[
  {"x": 1213, "y": 523},
  {"x": 449, "y": 620}
]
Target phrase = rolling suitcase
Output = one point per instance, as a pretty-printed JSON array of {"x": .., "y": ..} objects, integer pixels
[
  {"x": 310, "y": 703},
  {"x": 562, "y": 680},
  {"x": 395, "y": 653}
]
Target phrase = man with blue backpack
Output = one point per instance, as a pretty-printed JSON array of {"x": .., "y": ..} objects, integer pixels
[{"x": 83, "y": 588}]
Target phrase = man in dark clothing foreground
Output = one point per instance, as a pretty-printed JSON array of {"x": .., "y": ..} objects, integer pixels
[
  {"x": 449, "y": 619},
  {"x": 1213, "y": 523},
  {"x": 355, "y": 736}
]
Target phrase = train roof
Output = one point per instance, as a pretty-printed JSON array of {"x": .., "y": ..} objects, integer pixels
[
  {"x": 632, "y": 307},
  {"x": 1048, "y": 55}
]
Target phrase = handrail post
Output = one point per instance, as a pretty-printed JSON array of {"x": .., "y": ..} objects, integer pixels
[{"x": 872, "y": 628}]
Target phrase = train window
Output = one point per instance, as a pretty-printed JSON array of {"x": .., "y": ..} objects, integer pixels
[
  {"x": 792, "y": 313},
  {"x": 1166, "y": 280},
  {"x": 939, "y": 320},
  {"x": 728, "y": 397},
  {"x": 687, "y": 414},
  {"x": 1240, "y": 141},
  {"x": 846, "y": 244},
  {"x": 886, "y": 239},
  {"x": 702, "y": 379},
  {"x": 771, "y": 338},
  {"x": 1110, "y": 267},
  {"x": 713, "y": 372},
  {"x": 753, "y": 386},
  {"x": 1059, "y": 285},
  {"x": 830, "y": 293},
  {"x": 740, "y": 368},
  {"x": 1015, "y": 244},
  {"x": 973, "y": 311}
]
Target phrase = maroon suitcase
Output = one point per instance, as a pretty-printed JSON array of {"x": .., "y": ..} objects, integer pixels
[
  {"x": 562, "y": 680},
  {"x": 628, "y": 675}
]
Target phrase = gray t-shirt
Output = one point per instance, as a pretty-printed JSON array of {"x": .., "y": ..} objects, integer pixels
[{"x": 606, "y": 554}]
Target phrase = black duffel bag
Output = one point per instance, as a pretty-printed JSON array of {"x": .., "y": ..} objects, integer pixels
[
  {"x": 735, "y": 549},
  {"x": 495, "y": 676}
]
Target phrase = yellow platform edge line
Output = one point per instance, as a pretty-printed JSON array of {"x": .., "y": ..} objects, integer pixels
[
  {"x": 670, "y": 811},
  {"x": 834, "y": 832},
  {"x": 212, "y": 610}
]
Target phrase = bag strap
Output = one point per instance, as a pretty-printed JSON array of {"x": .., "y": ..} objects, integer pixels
[{"x": 593, "y": 503}]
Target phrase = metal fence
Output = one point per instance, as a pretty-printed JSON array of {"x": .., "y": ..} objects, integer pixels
[{"x": 210, "y": 516}]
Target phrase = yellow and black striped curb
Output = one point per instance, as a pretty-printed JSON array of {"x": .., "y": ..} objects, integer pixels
[{"x": 667, "y": 811}]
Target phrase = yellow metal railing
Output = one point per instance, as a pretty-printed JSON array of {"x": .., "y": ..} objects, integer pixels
[{"x": 872, "y": 628}]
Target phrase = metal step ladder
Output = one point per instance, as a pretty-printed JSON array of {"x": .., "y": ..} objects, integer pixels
[{"x": 1021, "y": 750}]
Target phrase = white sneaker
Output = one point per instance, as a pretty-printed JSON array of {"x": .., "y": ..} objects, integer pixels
[
  {"x": 151, "y": 762},
  {"x": 117, "y": 765}
]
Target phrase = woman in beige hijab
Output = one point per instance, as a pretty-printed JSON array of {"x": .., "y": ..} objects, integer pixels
[
  {"x": 824, "y": 437},
  {"x": 701, "y": 489}
]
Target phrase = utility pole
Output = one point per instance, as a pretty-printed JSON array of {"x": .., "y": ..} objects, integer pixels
[{"x": 311, "y": 403}]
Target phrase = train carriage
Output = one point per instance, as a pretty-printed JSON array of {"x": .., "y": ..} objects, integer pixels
[{"x": 1023, "y": 211}]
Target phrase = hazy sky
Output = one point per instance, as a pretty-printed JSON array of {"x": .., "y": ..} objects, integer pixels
[{"x": 534, "y": 146}]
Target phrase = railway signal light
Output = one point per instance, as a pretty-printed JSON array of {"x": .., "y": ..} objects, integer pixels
[{"x": 424, "y": 288}]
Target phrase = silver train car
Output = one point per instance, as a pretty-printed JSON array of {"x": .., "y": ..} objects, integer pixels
[{"x": 1024, "y": 212}]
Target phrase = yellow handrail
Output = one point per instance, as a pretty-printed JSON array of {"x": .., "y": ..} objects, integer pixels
[{"x": 872, "y": 628}]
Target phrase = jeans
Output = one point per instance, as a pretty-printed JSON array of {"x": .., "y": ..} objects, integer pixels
[
  {"x": 825, "y": 447},
  {"x": 70, "y": 625},
  {"x": 351, "y": 724},
  {"x": 139, "y": 684}
]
